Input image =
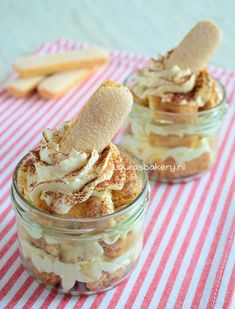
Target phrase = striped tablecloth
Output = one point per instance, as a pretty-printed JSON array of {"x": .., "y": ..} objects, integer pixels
[{"x": 188, "y": 260}]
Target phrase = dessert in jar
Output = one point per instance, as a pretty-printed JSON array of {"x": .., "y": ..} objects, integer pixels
[
  {"x": 80, "y": 201},
  {"x": 175, "y": 120}
]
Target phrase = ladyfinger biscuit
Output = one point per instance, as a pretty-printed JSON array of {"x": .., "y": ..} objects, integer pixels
[
  {"x": 44, "y": 277},
  {"x": 195, "y": 166},
  {"x": 53, "y": 63},
  {"x": 99, "y": 120},
  {"x": 58, "y": 84},
  {"x": 171, "y": 140},
  {"x": 162, "y": 111},
  {"x": 196, "y": 48},
  {"x": 22, "y": 87},
  {"x": 106, "y": 280}
]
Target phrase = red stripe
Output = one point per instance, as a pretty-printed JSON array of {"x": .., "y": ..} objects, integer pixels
[
  {"x": 19, "y": 293},
  {"x": 9, "y": 105},
  {"x": 12, "y": 281},
  {"x": 64, "y": 301},
  {"x": 4, "y": 213},
  {"x": 8, "y": 264},
  {"x": 24, "y": 111},
  {"x": 225, "y": 255},
  {"x": 7, "y": 227},
  {"x": 32, "y": 299},
  {"x": 48, "y": 300},
  {"x": 8, "y": 245},
  {"x": 30, "y": 111},
  {"x": 230, "y": 291}
]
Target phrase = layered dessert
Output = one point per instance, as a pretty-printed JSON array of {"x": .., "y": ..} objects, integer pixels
[
  {"x": 177, "y": 112},
  {"x": 82, "y": 200}
]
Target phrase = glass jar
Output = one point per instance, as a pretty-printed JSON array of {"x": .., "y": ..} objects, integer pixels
[
  {"x": 81, "y": 255},
  {"x": 175, "y": 147}
]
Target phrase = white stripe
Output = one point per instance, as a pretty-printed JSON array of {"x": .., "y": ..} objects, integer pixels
[
  {"x": 221, "y": 245},
  {"x": 226, "y": 277},
  {"x": 40, "y": 299},
  {"x": 22, "y": 300},
  {"x": 12, "y": 269},
  {"x": 7, "y": 236},
  {"x": 16, "y": 286},
  {"x": 5, "y": 259},
  {"x": 6, "y": 219}
]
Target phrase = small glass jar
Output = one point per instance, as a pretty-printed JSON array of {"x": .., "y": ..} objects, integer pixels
[
  {"x": 81, "y": 255},
  {"x": 175, "y": 147}
]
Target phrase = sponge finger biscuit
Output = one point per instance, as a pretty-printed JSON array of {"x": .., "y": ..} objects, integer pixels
[
  {"x": 171, "y": 141},
  {"x": 53, "y": 63},
  {"x": 22, "y": 87},
  {"x": 58, "y": 84},
  {"x": 185, "y": 113},
  {"x": 196, "y": 48},
  {"x": 99, "y": 120}
]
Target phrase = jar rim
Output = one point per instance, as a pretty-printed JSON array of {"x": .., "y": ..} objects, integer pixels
[
  {"x": 121, "y": 211},
  {"x": 221, "y": 104}
]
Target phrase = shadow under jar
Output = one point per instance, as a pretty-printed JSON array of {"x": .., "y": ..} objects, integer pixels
[
  {"x": 81, "y": 256},
  {"x": 176, "y": 147}
]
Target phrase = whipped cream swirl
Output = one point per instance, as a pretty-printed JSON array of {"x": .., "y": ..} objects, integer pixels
[
  {"x": 158, "y": 81},
  {"x": 63, "y": 180}
]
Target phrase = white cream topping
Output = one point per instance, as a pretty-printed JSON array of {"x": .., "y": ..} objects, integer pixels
[
  {"x": 161, "y": 81},
  {"x": 181, "y": 154},
  {"x": 56, "y": 176}
]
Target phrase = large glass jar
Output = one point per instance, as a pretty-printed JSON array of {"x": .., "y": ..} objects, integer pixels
[
  {"x": 175, "y": 146},
  {"x": 81, "y": 255}
]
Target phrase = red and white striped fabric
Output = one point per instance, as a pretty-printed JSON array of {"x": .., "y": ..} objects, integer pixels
[{"x": 188, "y": 259}]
